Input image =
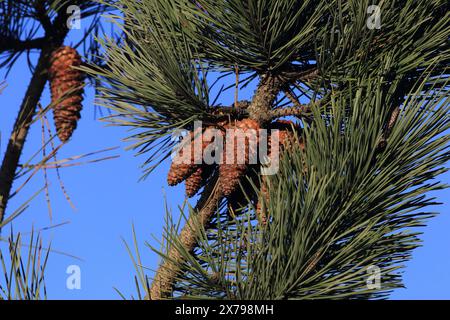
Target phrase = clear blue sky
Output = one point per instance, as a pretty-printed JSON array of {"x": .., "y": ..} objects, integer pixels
[{"x": 109, "y": 198}]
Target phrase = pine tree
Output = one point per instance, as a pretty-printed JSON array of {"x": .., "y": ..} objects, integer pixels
[{"x": 368, "y": 100}]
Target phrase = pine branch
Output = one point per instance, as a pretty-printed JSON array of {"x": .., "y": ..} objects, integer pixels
[
  {"x": 42, "y": 16},
  {"x": 302, "y": 110},
  {"x": 11, "y": 44},
  {"x": 28, "y": 111},
  {"x": 168, "y": 271},
  {"x": 300, "y": 73},
  {"x": 277, "y": 40},
  {"x": 165, "y": 278},
  {"x": 20, "y": 131},
  {"x": 261, "y": 106},
  {"x": 236, "y": 111}
]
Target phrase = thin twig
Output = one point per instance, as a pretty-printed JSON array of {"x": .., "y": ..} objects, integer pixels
[
  {"x": 47, "y": 193},
  {"x": 288, "y": 92},
  {"x": 12, "y": 44},
  {"x": 300, "y": 73},
  {"x": 303, "y": 110},
  {"x": 58, "y": 174}
]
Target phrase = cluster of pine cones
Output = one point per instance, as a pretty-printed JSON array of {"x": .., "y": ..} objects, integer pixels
[
  {"x": 66, "y": 84},
  {"x": 196, "y": 172}
]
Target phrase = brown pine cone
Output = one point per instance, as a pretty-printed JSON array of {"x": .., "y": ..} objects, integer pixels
[
  {"x": 66, "y": 86},
  {"x": 287, "y": 134},
  {"x": 194, "y": 182},
  {"x": 230, "y": 173},
  {"x": 198, "y": 179},
  {"x": 183, "y": 164},
  {"x": 179, "y": 172},
  {"x": 241, "y": 197}
]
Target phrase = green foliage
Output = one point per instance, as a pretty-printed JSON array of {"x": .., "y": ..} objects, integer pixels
[
  {"x": 342, "y": 205},
  {"x": 260, "y": 35},
  {"x": 156, "y": 80},
  {"x": 336, "y": 209},
  {"x": 141, "y": 280},
  {"x": 412, "y": 37},
  {"x": 23, "y": 272},
  {"x": 158, "y": 84}
]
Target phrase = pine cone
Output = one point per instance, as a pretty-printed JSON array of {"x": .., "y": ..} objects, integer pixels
[
  {"x": 194, "y": 182},
  {"x": 184, "y": 165},
  {"x": 66, "y": 86},
  {"x": 198, "y": 179},
  {"x": 241, "y": 197},
  {"x": 287, "y": 134},
  {"x": 230, "y": 173},
  {"x": 179, "y": 172}
]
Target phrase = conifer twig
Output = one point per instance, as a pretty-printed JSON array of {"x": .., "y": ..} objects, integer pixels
[
  {"x": 21, "y": 127},
  {"x": 28, "y": 108}
]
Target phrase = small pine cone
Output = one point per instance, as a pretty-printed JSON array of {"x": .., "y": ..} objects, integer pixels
[
  {"x": 179, "y": 172},
  {"x": 66, "y": 86},
  {"x": 194, "y": 182},
  {"x": 231, "y": 173},
  {"x": 286, "y": 139},
  {"x": 183, "y": 164},
  {"x": 287, "y": 134},
  {"x": 198, "y": 179},
  {"x": 284, "y": 143},
  {"x": 245, "y": 194}
]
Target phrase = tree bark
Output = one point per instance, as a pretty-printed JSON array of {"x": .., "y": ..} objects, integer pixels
[{"x": 167, "y": 272}]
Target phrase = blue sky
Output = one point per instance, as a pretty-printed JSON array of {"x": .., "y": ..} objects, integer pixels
[{"x": 109, "y": 199}]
